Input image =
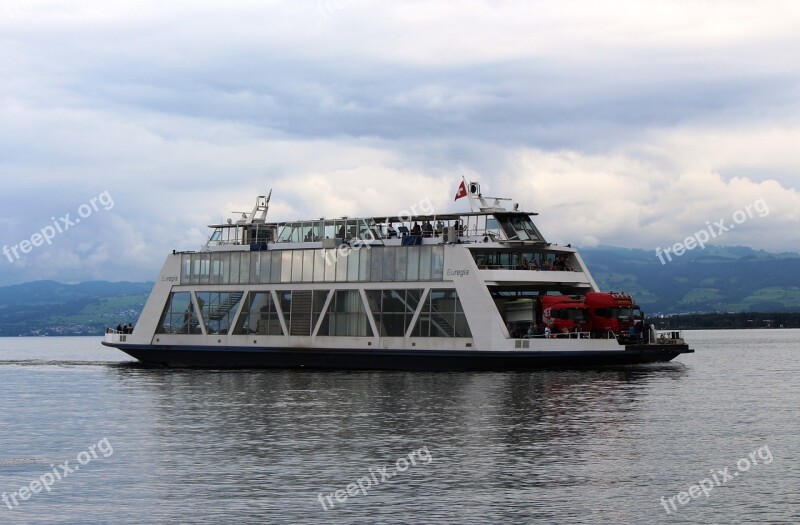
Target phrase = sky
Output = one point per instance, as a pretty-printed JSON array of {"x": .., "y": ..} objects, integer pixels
[{"x": 625, "y": 123}]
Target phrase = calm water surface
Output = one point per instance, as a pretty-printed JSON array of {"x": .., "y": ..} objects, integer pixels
[{"x": 188, "y": 446}]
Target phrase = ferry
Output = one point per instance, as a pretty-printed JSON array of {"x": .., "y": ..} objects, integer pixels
[{"x": 474, "y": 290}]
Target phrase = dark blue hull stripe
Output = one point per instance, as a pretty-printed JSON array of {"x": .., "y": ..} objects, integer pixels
[{"x": 372, "y": 359}]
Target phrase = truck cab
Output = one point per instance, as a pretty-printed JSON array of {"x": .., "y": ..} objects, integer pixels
[{"x": 611, "y": 312}]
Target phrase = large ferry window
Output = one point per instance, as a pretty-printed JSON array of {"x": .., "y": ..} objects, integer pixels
[
  {"x": 244, "y": 268},
  {"x": 265, "y": 266},
  {"x": 233, "y": 274},
  {"x": 364, "y": 265},
  {"x": 517, "y": 227},
  {"x": 347, "y": 315},
  {"x": 442, "y": 316},
  {"x": 425, "y": 263},
  {"x": 376, "y": 266},
  {"x": 259, "y": 316},
  {"x": 179, "y": 316},
  {"x": 320, "y": 262},
  {"x": 255, "y": 268},
  {"x": 286, "y": 266},
  {"x": 297, "y": 266},
  {"x": 186, "y": 268},
  {"x": 330, "y": 265},
  {"x": 275, "y": 267},
  {"x": 352, "y": 264},
  {"x": 437, "y": 272},
  {"x": 308, "y": 266},
  {"x": 341, "y": 265},
  {"x": 401, "y": 263},
  {"x": 388, "y": 265},
  {"x": 412, "y": 274}
]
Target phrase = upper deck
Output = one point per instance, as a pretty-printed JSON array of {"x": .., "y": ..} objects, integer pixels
[
  {"x": 499, "y": 246},
  {"x": 485, "y": 223}
]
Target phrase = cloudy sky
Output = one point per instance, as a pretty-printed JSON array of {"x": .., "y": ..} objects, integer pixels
[{"x": 629, "y": 123}]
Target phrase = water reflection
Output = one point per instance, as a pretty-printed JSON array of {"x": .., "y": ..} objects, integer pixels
[{"x": 255, "y": 433}]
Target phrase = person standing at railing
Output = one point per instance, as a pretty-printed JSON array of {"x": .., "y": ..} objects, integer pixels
[{"x": 427, "y": 229}]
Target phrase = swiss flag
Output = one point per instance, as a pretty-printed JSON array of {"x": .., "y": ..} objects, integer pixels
[{"x": 462, "y": 191}]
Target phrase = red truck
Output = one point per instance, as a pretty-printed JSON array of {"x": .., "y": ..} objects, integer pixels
[
  {"x": 611, "y": 312},
  {"x": 564, "y": 313}
]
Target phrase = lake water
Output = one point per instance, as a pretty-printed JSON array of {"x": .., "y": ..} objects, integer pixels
[{"x": 146, "y": 445}]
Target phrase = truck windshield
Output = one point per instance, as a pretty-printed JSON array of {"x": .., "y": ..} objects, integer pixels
[
  {"x": 622, "y": 312},
  {"x": 573, "y": 314},
  {"x": 619, "y": 312}
]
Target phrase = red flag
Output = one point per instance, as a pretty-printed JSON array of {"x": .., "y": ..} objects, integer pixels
[{"x": 462, "y": 191}]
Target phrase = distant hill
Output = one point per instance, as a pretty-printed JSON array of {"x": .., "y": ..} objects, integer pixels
[
  {"x": 717, "y": 279},
  {"x": 53, "y": 308}
]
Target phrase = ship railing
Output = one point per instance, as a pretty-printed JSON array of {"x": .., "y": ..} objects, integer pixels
[
  {"x": 563, "y": 335},
  {"x": 517, "y": 267},
  {"x": 669, "y": 337},
  {"x": 114, "y": 336}
]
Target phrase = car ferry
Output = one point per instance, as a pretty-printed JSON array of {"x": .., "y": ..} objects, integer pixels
[{"x": 477, "y": 290}]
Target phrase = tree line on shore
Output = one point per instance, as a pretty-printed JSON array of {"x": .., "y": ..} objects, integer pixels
[{"x": 729, "y": 320}]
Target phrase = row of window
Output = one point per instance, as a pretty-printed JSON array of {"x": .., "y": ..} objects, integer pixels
[
  {"x": 440, "y": 313},
  {"x": 523, "y": 259},
  {"x": 400, "y": 263}
]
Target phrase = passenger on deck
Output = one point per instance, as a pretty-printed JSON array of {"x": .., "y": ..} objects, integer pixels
[
  {"x": 532, "y": 331},
  {"x": 524, "y": 264},
  {"x": 547, "y": 332},
  {"x": 416, "y": 230},
  {"x": 390, "y": 231},
  {"x": 511, "y": 330},
  {"x": 427, "y": 229}
]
